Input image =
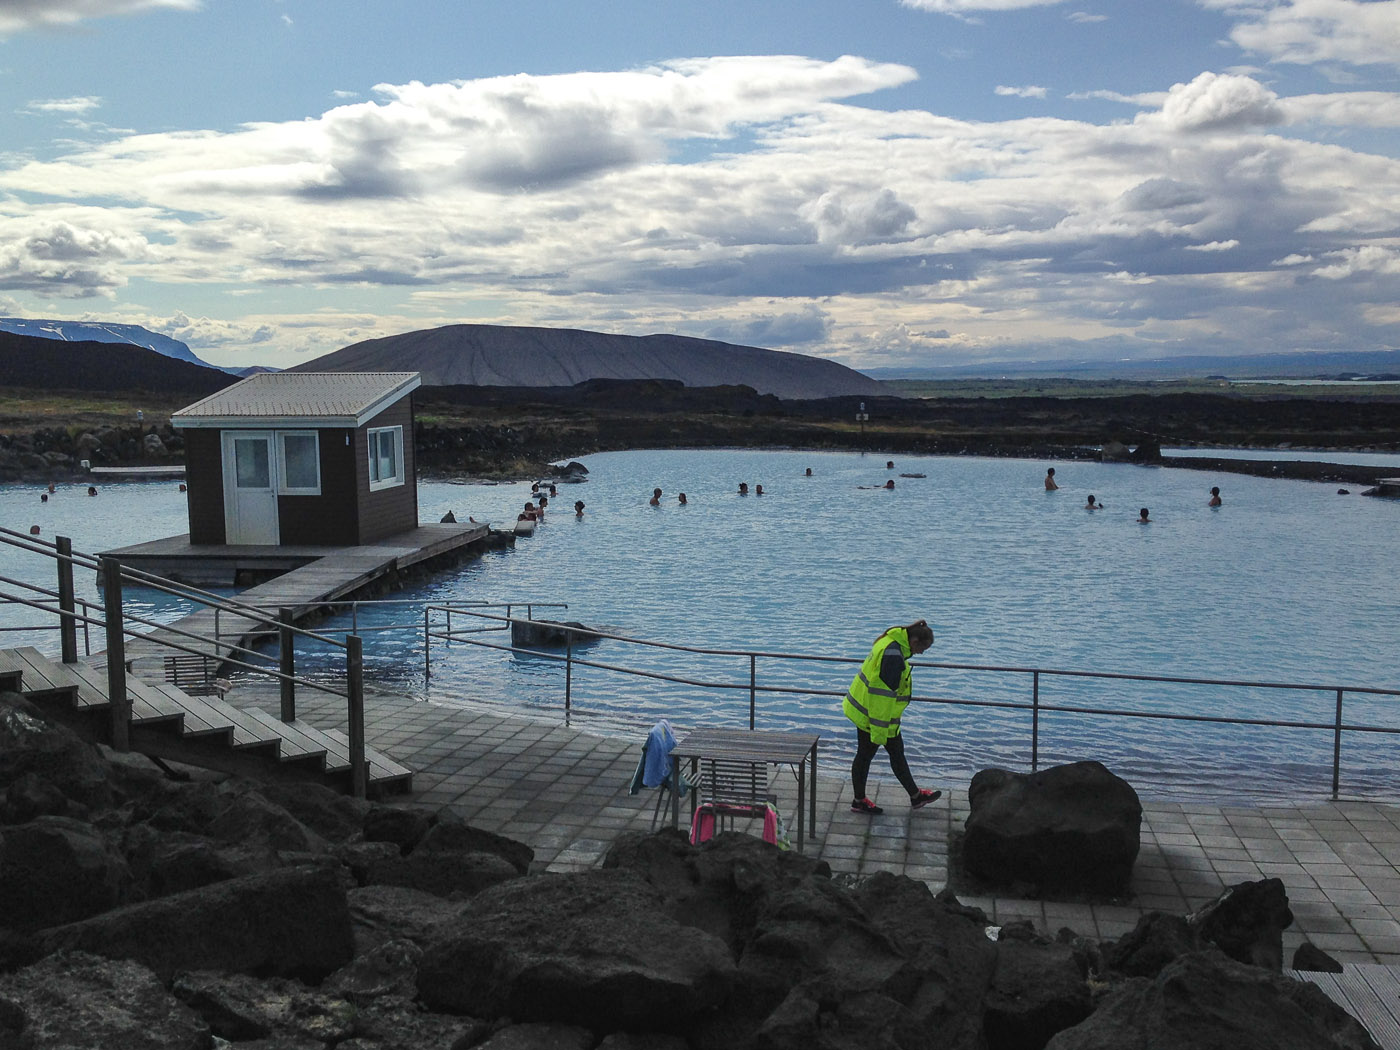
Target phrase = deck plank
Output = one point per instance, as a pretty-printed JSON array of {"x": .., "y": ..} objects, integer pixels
[
  {"x": 1370, "y": 992},
  {"x": 296, "y": 744}
]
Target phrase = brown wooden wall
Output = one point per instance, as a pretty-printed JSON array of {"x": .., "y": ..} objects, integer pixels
[
  {"x": 204, "y": 483},
  {"x": 330, "y": 518},
  {"x": 391, "y": 510}
]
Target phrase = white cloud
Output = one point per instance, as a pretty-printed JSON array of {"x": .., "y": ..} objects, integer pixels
[
  {"x": 1149, "y": 99},
  {"x": 1085, "y": 18},
  {"x": 1370, "y": 258},
  {"x": 1373, "y": 109},
  {"x": 793, "y": 217},
  {"x": 76, "y": 105},
  {"x": 1221, "y": 102},
  {"x": 1307, "y": 32},
  {"x": 20, "y": 15},
  {"x": 1030, "y": 91}
]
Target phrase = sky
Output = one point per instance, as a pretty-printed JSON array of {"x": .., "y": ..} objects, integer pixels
[{"x": 886, "y": 183}]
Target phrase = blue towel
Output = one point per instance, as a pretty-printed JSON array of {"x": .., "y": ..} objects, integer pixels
[{"x": 657, "y": 754}]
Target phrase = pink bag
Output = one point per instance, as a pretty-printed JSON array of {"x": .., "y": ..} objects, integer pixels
[{"x": 702, "y": 826}]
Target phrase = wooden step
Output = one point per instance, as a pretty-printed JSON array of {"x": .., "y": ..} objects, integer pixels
[
  {"x": 162, "y": 705},
  {"x": 41, "y": 675},
  {"x": 383, "y": 771}
]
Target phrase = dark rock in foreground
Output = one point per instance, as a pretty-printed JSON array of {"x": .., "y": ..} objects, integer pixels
[
  {"x": 294, "y": 922},
  {"x": 178, "y": 915},
  {"x": 77, "y": 1000},
  {"x": 1204, "y": 1001},
  {"x": 1069, "y": 829},
  {"x": 593, "y": 949}
]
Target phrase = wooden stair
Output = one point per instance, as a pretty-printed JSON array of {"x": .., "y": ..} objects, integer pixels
[{"x": 206, "y": 731}]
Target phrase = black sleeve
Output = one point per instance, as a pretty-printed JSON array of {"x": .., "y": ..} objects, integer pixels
[{"x": 892, "y": 666}]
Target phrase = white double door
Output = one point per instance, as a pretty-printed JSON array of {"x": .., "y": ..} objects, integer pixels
[{"x": 250, "y": 487}]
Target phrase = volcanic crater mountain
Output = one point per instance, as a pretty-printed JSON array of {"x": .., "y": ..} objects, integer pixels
[{"x": 501, "y": 355}]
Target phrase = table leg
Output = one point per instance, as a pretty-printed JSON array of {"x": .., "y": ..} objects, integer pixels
[
  {"x": 801, "y": 804},
  {"x": 675, "y": 793}
]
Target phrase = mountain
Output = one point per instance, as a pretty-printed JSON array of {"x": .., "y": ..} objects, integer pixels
[
  {"x": 41, "y": 363},
  {"x": 500, "y": 355},
  {"x": 101, "y": 332}
]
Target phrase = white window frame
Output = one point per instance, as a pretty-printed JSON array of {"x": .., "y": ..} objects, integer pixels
[
  {"x": 282, "y": 487},
  {"x": 374, "y": 435}
]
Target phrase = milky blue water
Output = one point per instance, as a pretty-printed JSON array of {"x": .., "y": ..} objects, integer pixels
[{"x": 1288, "y": 582}]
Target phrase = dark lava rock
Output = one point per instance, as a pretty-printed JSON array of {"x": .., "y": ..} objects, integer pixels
[
  {"x": 1307, "y": 956},
  {"x": 1205, "y": 1001},
  {"x": 404, "y": 826},
  {"x": 442, "y": 873},
  {"x": 593, "y": 949},
  {"x": 1156, "y": 940},
  {"x": 450, "y": 834},
  {"x": 1036, "y": 991},
  {"x": 32, "y": 745},
  {"x": 54, "y": 870},
  {"x": 238, "y": 1007},
  {"x": 385, "y": 913},
  {"x": 1247, "y": 921},
  {"x": 294, "y": 922},
  {"x": 73, "y": 1000},
  {"x": 1069, "y": 829}
]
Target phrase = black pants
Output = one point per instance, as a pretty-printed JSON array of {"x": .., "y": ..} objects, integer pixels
[{"x": 865, "y": 751}]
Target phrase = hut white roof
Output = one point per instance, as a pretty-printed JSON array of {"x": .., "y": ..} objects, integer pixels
[{"x": 302, "y": 399}]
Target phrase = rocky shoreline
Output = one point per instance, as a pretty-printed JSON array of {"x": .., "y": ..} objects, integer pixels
[
  {"x": 140, "y": 910},
  {"x": 514, "y": 452}
]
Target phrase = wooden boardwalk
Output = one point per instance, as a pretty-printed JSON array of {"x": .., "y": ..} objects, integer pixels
[
  {"x": 1370, "y": 992},
  {"x": 308, "y": 578}
]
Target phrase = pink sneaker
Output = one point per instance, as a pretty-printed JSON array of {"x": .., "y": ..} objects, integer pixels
[
  {"x": 924, "y": 797},
  {"x": 864, "y": 805}
]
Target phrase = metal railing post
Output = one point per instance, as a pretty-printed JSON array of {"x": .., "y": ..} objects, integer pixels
[
  {"x": 67, "y": 624},
  {"x": 753, "y": 690},
  {"x": 216, "y": 623},
  {"x": 1337, "y": 750},
  {"x": 116, "y": 654},
  {"x": 568, "y": 674},
  {"x": 286, "y": 663},
  {"x": 1035, "y": 720},
  {"x": 427, "y": 642},
  {"x": 355, "y": 696}
]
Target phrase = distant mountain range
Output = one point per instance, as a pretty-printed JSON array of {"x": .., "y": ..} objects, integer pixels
[
  {"x": 102, "y": 332},
  {"x": 1321, "y": 364},
  {"x": 500, "y": 355},
  {"x": 43, "y": 363}
]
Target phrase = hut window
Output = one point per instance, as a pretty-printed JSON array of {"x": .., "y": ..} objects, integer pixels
[
  {"x": 301, "y": 463},
  {"x": 385, "y": 457}
]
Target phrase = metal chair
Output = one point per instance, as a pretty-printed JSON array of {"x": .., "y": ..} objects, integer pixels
[
  {"x": 654, "y": 768},
  {"x": 194, "y": 675}
]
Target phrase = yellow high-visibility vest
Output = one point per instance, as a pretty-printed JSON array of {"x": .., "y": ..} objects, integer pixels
[{"x": 869, "y": 703}]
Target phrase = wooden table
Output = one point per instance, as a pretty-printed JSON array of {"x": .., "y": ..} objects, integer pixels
[{"x": 758, "y": 748}]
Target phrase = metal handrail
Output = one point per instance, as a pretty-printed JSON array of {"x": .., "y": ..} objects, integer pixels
[
  {"x": 219, "y": 602},
  {"x": 1337, "y": 725},
  {"x": 117, "y": 620}
]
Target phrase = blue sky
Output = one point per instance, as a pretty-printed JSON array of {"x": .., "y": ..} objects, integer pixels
[{"x": 886, "y": 183}]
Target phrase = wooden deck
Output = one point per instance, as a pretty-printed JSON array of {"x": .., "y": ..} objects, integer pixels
[
  {"x": 303, "y": 579},
  {"x": 1370, "y": 992}
]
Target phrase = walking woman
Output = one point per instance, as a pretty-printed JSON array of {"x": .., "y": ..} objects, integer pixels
[{"x": 877, "y": 698}]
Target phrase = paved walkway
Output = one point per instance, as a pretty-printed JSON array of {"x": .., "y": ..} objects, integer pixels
[{"x": 564, "y": 793}]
